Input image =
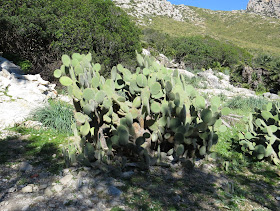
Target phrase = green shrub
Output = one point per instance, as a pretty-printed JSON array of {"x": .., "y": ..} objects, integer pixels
[
  {"x": 57, "y": 115},
  {"x": 41, "y": 31},
  {"x": 197, "y": 51},
  {"x": 272, "y": 65},
  {"x": 143, "y": 116}
]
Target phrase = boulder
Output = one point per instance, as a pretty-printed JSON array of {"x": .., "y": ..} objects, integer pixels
[{"x": 21, "y": 94}]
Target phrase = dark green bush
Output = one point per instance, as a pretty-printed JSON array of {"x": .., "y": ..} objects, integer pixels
[
  {"x": 272, "y": 65},
  {"x": 41, "y": 31},
  {"x": 197, "y": 51}
]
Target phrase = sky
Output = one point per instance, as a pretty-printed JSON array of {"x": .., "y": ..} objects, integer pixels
[{"x": 226, "y": 5}]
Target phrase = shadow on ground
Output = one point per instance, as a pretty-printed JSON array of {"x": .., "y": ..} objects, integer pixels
[{"x": 161, "y": 188}]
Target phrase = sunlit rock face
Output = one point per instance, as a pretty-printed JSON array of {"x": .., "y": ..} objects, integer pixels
[{"x": 265, "y": 7}]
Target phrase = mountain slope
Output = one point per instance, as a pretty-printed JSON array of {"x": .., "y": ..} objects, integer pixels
[{"x": 249, "y": 30}]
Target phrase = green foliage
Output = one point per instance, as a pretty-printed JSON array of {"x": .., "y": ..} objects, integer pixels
[
  {"x": 144, "y": 117},
  {"x": 247, "y": 104},
  {"x": 272, "y": 65},
  {"x": 41, "y": 31},
  {"x": 262, "y": 138},
  {"x": 56, "y": 115},
  {"x": 197, "y": 51}
]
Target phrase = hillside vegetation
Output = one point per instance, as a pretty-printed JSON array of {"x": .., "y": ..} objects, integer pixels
[{"x": 253, "y": 32}]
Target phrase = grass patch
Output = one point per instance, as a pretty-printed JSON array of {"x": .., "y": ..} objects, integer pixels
[
  {"x": 247, "y": 104},
  {"x": 40, "y": 147},
  {"x": 57, "y": 115}
]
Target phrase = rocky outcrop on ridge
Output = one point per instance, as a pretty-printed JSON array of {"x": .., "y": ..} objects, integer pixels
[
  {"x": 151, "y": 8},
  {"x": 265, "y": 7}
]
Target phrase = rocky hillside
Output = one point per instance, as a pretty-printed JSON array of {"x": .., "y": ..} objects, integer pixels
[
  {"x": 245, "y": 29},
  {"x": 265, "y": 7}
]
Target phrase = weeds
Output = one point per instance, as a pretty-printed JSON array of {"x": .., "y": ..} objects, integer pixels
[
  {"x": 248, "y": 104},
  {"x": 58, "y": 115}
]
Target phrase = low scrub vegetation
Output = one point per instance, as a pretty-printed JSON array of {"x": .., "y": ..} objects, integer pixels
[
  {"x": 41, "y": 31},
  {"x": 197, "y": 51}
]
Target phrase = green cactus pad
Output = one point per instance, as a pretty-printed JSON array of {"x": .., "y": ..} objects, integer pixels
[
  {"x": 202, "y": 150},
  {"x": 146, "y": 71},
  {"x": 155, "y": 88},
  {"x": 123, "y": 135},
  {"x": 66, "y": 60},
  {"x": 57, "y": 73},
  {"x": 260, "y": 151},
  {"x": 215, "y": 101},
  {"x": 65, "y": 81},
  {"x": 140, "y": 60},
  {"x": 146, "y": 135},
  {"x": 141, "y": 80},
  {"x": 114, "y": 73},
  {"x": 154, "y": 137},
  {"x": 179, "y": 138},
  {"x": 79, "y": 117},
  {"x": 84, "y": 129},
  {"x": 199, "y": 102},
  {"x": 137, "y": 102},
  {"x": 139, "y": 141},
  {"x": 155, "y": 107},
  {"x": 180, "y": 150},
  {"x": 75, "y": 62},
  {"x": 78, "y": 69},
  {"x": 97, "y": 67},
  {"x": 225, "y": 111},
  {"x": 88, "y": 94},
  {"x": 206, "y": 115},
  {"x": 95, "y": 82},
  {"x": 77, "y": 93},
  {"x": 266, "y": 115},
  {"x": 99, "y": 97},
  {"x": 107, "y": 103},
  {"x": 77, "y": 56}
]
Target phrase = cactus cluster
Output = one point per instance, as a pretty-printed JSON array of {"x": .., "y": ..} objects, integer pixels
[
  {"x": 145, "y": 116},
  {"x": 262, "y": 139}
]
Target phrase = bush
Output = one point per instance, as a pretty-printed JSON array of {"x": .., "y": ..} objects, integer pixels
[
  {"x": 57, "y": 115},
  {"x": 272, "y": 65},
  {"x": 41, "y": 31},
  {"x": 197, "y": 51}
]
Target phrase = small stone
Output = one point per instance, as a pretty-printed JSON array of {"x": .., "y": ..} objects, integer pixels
[
  {"x": 65, "y": 180},
  {"x": 278, "y": 198},
  {"x": 11, "y": 190},
  {"x": 52, "y": 205},
  {"x": 113, "y": 191},
  {"x": 39, "y": 199},
  {"x": 27, "y": 189},
  {"x": 58, "y": 188},
  {"x": 26, "y": 207},
  {"x": 48, "y": 192},
  {"x": 128, "y": 174},
  {"x": 43, "y": 186},
  {"x": 25, "y": 167}
]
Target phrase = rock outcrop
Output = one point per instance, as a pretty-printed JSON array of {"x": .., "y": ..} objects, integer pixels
[
  {"x": 20, "y": 94},
  {"x": 150, "y": 8},
  {"x": 265, "y": 7}
]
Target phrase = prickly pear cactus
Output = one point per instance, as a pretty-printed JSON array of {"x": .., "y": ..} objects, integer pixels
[
  {"x": 145, "y": 116},
  {"x": 262, "y": 139}
]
